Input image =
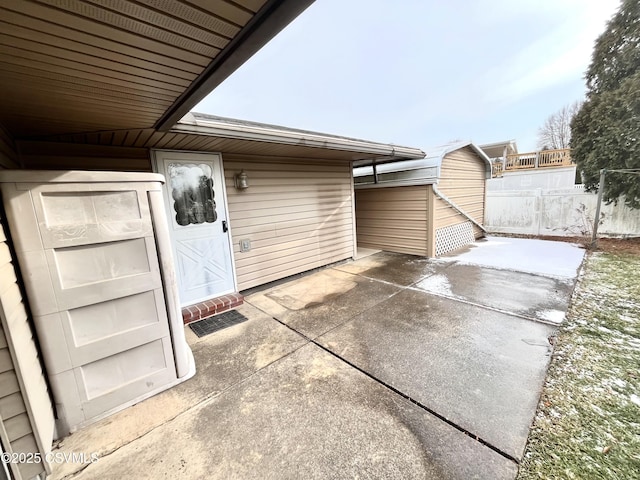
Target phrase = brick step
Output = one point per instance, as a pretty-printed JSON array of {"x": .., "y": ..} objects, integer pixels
[{"x": 211, "y": 307}]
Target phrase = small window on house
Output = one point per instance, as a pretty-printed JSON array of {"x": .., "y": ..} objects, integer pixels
[{"x": 192, "y": 192}]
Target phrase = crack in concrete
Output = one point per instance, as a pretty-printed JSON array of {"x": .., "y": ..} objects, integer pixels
[{"x": 404, "y": 395}]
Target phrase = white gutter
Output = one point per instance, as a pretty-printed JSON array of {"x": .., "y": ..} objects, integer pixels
[
  {"x": 192, "y": 125},
  {"x": 457, "y": 208}
]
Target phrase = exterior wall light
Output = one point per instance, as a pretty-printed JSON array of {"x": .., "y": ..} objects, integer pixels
[{"x": 242, "y": 180}]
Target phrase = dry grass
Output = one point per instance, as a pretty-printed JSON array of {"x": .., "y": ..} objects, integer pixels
[
  {"x": 588, "y": 420},
  {"x": 618, "y": 245},
  {"x": 615, "y": 245}
]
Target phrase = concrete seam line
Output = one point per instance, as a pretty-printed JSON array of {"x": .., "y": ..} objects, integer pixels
[
  {"x": 406, "y": 397},
  {"x": 422, "y": 406},
  {"x": 486, "y": 307}
]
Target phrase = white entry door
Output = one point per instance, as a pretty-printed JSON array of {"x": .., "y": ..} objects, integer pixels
[{"x": 199, "y": 225}]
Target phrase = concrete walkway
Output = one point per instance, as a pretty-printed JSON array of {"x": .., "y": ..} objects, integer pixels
[{"x": 391, "y": 366}]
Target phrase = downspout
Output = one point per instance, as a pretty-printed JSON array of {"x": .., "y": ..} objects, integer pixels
[{"x": 442, "y": 196}]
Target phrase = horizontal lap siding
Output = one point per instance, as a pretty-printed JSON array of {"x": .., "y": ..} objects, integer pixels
[
  {"x": 393, "y": 219},
  {"x": 297, "y": 214},
  {"x": 463, "y": 182},
  {"x": 15, "y": 419}
]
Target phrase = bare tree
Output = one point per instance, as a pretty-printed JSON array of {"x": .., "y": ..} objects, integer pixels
[{"x": 556, "y": 131}]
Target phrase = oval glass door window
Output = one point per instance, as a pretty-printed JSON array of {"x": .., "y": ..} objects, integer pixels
[{"x": 192, "y": 192}]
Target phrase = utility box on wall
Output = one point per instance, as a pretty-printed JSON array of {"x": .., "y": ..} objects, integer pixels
[{"x": 95, "y": 256}]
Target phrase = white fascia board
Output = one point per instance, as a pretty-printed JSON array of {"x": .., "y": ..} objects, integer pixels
[
  {"x": 362, "y": 171},
  {"x": 399, "y": 166},
  {"x": 285, "y": 137},
  {"x": 405, "y": 165},
  {"x": 504, "y": 143},
  {"x": 396, "y": 183}
]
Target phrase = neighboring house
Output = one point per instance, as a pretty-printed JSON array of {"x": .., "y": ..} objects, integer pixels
[
  {"x": 498, "y": 153},
  {"x": 499, "y": 150},
  {"x": 506, "y": 160},
  {"x": 93, "y": 87},
  {"x": 526, "y": 171},
  {"x": 429, "y": 206}
]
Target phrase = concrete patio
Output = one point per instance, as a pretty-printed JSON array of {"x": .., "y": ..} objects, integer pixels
[{"x": 391, "y": 366}]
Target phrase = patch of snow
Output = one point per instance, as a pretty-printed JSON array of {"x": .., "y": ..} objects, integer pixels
[
  {"x": 604, "y": 329},
  {"x": 620, "y": 383},
  {"x": 555, "y": 316},
  {"x": 634, "y": 343},
  {"x": 635, "y": 399},
  {"x": 543, "y": 257},
  {"x": 438, "y": 284}
]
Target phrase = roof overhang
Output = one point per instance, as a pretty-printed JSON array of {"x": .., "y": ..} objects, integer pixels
[
  {"x": 206, "y": 133},
  {"x": 87, "y": 66},
  {"x": 264, "y": 25},
  {"x": 499, "y": 149},
  {"x": 425, "y": 171},
  {"x": 253, "y": 132}
]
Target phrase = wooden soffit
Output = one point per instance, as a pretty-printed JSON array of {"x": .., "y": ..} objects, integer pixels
[{"x": 72, "y": 66}]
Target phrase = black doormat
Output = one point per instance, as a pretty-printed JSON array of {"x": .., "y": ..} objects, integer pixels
[{"x": 218, "y": 322}]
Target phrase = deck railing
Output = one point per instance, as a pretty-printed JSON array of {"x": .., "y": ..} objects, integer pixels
[
  {"x": 543, "y": 159},
  {"x": 496, "y": 168}
]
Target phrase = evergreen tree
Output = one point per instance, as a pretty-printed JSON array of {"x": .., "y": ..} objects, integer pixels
[{"x": 605, "y": 133}]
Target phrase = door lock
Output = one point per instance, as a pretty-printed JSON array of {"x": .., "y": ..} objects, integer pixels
[{"x": 225, "y": 227}]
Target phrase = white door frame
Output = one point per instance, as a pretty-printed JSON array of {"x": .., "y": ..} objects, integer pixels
[{"x": 156, "y": 168}]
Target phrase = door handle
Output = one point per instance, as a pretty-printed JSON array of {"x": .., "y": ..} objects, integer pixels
[{"x": 225, "y": 227}]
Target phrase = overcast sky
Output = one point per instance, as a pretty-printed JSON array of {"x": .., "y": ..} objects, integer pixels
[{"x": 420, "y": 73}]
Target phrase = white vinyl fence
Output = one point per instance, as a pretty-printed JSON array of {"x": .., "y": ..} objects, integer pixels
[{"x": 559, "y": 212}]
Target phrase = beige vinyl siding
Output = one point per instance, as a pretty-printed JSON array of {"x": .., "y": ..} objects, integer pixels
[
  {"x": 8, "y": 155},
  {"x": 25, "y": 426},
  {"x": 463, "y": 182},
  {"x": 71, "y": 156},
  {"x": 393, "y": 219},
  {"x": 296, "y": 213}
]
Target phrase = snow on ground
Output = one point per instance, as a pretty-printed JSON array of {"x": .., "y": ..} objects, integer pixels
[
  {"x": 555, "y": 316},
  {"x": 587, "y": 420},
  {"x": 438, "y": 284},
  {"x": 542, "y": 257}
]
